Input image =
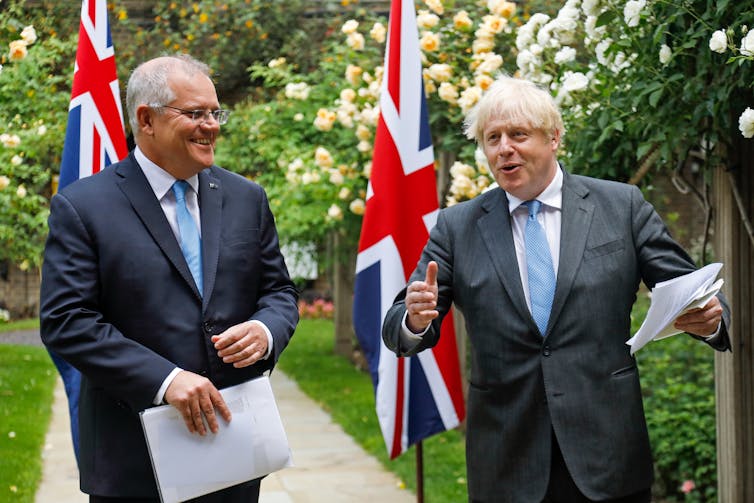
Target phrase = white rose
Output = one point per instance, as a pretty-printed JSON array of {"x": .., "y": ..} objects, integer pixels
[
  {"x": 378, "y": 32},
  {"x": 574, "y": 81},
  {"x": 336, "y": 177},
  {"x": 746, "y": 123},
  {"x": 718, "y": 42},
  {"x": 632, "y": 11},
  {"x": 29, "y": 35},
  {"x": 357, "y": 206},
  {"x": 591, "y": 7},
  {"x": 350, "y": 26},
  {"x": 665, "y": 54},
  {"x": 334, "y": 212},
  {"x": 747, "y": 44},
  {"x": 565, "y": 55}
]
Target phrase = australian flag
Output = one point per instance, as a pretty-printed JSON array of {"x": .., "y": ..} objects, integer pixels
[
  {"x": 94, "y": 135},
  {"x": 419, "y": 396}
]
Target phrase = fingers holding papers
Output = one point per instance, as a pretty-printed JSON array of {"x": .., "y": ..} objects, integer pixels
[
  {"x": 197, "y": 399},
  {"x": 703, "y": 321}
]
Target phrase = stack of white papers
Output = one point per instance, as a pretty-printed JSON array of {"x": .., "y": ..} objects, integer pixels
[
  {"x": 252, "y": 445},
  {"x": 671, "y": 299}
]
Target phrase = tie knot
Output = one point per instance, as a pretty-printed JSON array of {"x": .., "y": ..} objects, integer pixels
[
  {"x": 533, "y": 207},
  {"x": 179, "y": 189}
]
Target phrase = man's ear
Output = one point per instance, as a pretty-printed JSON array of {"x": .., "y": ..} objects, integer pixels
[
  {"x": 555, "y": 139},
  {"x": 145, "y": 119}
]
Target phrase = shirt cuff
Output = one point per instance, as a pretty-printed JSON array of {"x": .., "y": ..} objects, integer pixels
[
  {"x": 409, "y": 340},
  {"x": 160, "y": 396},
  {"x": 269, "y": 338},
  {"x": 710, "y": 338}
]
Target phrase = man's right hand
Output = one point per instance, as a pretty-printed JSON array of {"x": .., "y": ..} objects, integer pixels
[
  {"x": 421, "y": 301},
  {"x": 196, "y": 398}
]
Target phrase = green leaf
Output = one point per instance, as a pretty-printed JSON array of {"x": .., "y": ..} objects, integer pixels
[
  {"x": 654, "y": 98},
  {"x": 605, "y": 18}
]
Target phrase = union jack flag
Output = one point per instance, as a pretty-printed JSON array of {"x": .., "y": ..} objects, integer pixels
[
  {"x": 94, "y": 136},
  {"x": 419, "y": 396}
]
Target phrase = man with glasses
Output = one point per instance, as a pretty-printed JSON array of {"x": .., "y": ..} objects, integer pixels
[{"x": 162, "y": 282}]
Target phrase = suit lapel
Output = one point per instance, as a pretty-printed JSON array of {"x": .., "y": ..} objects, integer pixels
[
  {"x": 136, "y": 188},
  {"x": 211, "y": 197},
  {"x": 495, "y": 228},
  {"x": 576, "y": 219}
]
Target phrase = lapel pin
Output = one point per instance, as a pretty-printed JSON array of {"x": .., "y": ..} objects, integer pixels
[{"x": 212, "y": 185}]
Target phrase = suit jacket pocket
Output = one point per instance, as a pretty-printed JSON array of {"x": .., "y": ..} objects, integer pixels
[
  {"x": 604, "y": 249},
  {"x": 625, "y": 371}
]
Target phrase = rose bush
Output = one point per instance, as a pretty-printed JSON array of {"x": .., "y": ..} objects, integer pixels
[{"x": 34, "y": 94}]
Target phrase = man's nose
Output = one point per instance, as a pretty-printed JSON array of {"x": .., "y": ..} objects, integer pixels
[{"x": 504, "y": 146}]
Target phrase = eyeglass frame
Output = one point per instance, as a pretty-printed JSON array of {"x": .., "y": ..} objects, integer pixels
[{"x": 220, "y": 115}]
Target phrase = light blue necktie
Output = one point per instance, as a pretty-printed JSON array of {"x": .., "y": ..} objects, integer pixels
[
  {"x": 539, "y": 268},
  {"x": 191, "y": 242}
]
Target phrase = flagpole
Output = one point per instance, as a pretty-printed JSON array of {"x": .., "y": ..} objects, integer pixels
[{"x": 419, "y": 472}]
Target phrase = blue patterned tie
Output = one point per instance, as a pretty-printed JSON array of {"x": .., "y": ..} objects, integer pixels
[
  {"x": 539, "y": 268},
  {"x": 191, "y": 242}
]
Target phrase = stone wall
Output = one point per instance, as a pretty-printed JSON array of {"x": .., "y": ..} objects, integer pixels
[{"x": 19, "y": 291}]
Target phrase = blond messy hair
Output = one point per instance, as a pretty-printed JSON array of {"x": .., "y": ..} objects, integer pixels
[{"x": 516, "y": 101}]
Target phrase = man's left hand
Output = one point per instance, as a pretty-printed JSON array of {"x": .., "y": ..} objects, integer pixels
[
  {"x": 242, "y": 345},
  {"x": 703, "y": 321}
]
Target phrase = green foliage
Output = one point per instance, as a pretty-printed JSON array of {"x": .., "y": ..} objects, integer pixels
[
  {"x": 27, "y": 378},
  {"x": 34, "y": 96},
  {"x": 229, "y": 36},
  {"x": 636, "y": 100},
  {"x": 346, "y": 393},
  {"x": 311, "y": 145},
  {"x": 677, "y": 377}
]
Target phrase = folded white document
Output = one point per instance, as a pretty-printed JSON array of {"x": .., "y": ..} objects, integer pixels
[
  {"x": 252, "y": 445},
  {"x": 671, "y": 299}
]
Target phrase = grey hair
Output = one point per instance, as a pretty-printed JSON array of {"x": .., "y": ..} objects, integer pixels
[
  {"x": 148, "y": 84},
  {"x": 517, "y": 101}
]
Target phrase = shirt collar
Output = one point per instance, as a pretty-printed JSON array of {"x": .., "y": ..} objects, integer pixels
[
  {"x": 160, "y": 180},
  {"x": 552, "y": 196}
]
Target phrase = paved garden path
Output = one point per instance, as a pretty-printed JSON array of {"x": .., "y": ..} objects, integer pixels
[{"x": 329, "y": 466}]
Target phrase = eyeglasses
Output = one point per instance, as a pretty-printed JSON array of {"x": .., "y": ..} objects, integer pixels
[{"x": 201, "y": 116}]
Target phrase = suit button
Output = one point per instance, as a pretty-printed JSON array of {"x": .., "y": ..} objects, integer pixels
[
  {"x": 546, "y": 350},
  {"x": 209, "y": 327}
]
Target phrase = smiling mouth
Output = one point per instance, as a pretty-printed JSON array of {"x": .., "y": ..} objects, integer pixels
[{"x": 202, "y": 141}]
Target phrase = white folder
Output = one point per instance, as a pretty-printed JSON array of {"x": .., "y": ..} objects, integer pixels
[{"x": 252, "y": 445}]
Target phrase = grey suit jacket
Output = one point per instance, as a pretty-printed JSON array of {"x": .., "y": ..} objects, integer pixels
[
  {"x": 579, "y": 380},
  {"x": 118, "y": 302}
]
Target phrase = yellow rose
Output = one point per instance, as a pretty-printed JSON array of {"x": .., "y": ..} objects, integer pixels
[
  {"x": 462, "y": 21},
  {"x": 17, "y": 50},
  {"x": 429, "y": 42}
]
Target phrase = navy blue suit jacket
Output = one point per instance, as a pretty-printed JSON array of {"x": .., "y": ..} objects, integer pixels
[{"x": 119, "y": 303}]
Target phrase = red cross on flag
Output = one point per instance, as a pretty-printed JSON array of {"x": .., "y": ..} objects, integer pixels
[{"x": 94, "y": 136}]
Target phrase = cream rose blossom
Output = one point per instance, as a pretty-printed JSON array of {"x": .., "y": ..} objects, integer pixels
[
  {"x": 746, "y": 123},
  {"x": 718, "y": 42},
  {"x": 747, "y": 44}
]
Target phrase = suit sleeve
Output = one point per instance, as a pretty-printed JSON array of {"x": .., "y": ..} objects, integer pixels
[
  {"x": 662, "y": 258},
  {"x": 277, "y": 299},
  {"x": 71, "y": 320},
  {"x": 438, "y": 249}
]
